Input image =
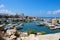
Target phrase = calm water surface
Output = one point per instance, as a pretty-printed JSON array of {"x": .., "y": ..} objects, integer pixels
[{"x": 38, "y": 28}]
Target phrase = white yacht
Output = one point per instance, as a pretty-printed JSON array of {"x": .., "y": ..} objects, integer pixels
[{"x": 40, "y": 24}]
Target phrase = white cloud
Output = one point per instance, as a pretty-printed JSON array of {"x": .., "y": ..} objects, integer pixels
[
  {"x": 5, "y": 11},
  {"x": 1, "y": 6},
  {"x": 54, "y": 12},
  {"x": 49, "y": 12}
]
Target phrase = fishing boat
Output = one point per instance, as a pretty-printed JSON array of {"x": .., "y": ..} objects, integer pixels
[
  {"x": 20, "y": 26},
  {"x": 9, "y": 26}
]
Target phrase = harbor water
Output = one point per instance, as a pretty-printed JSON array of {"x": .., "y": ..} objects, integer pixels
[{"x": 33, "y": 26}]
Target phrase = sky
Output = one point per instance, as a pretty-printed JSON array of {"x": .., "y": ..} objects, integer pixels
[{"x": 38, "y": 8}]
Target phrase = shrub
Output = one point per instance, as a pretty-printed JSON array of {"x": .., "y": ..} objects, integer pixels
[
  {"x": 31, "y": 31},
  {"x": 42, "y": 33}
]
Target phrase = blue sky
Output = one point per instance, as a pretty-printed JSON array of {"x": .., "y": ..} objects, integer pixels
[{"x": 39, "y": 8}]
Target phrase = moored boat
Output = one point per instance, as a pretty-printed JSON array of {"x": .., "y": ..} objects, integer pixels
[
  {"x": 40, "y": 24},
  {"x": 9, "y": 26},
  {"x": 20, "y": 26}
]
